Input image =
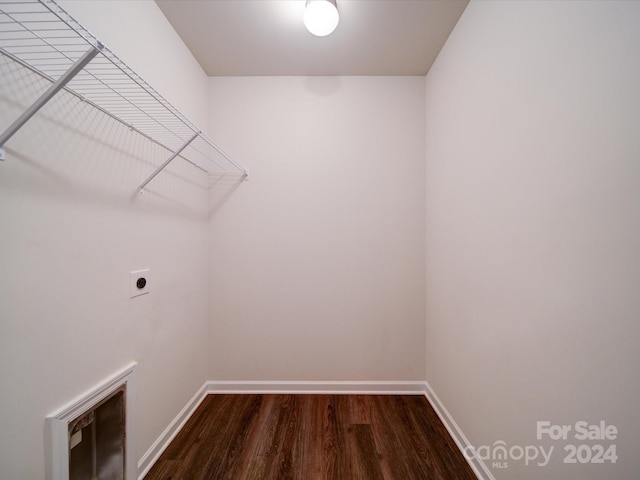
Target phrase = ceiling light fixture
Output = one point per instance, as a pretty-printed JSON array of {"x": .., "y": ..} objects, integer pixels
[{"x": 321, "y": 17}]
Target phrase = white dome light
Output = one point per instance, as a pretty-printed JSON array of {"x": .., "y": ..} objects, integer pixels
[{"x": 321, "y": 17}]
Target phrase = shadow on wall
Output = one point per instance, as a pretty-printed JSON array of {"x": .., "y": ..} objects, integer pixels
[
  {"x": 221, "y": 190},
  {"x": 322, "y": 86}
]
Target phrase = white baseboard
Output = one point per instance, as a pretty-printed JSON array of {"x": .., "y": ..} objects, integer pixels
[
  {"x": 148, "y": 459},
  {"x": 346, "y": 387},
  {"x": 476, "y": 464}
]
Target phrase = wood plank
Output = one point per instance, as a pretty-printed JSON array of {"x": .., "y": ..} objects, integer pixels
[
  {"x": 390, "y": 436},
  {"x": 362, "y": 454},
  {"x": 319, "y": 437},
  {"x": 258, "y": 454}
]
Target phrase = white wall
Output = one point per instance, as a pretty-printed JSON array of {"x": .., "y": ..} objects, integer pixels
[
  {"x": 73, "y": 227},
  {"x": 317, "y": 261},
  {"x": 533, "y": 227}
]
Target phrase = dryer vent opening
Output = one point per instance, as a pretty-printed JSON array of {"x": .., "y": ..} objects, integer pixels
[
  {"x": 97, "y": 441},
  {"x": 92, "y": 437}
]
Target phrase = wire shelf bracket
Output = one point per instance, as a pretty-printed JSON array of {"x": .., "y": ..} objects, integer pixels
[
  {"x": 48, "y": 95},
  {"x": 167, "y": 162},
  {"x": 45, "y": 39}
]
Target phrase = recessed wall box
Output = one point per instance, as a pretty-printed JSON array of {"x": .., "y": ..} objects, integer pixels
[{"x": 140, "y": 283}]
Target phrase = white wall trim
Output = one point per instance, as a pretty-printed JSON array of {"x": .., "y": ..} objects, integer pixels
[
  {"x": 341, "y": 387},
  {"x": 169, "y": 433},
  {"x": 476, "y": 464}
]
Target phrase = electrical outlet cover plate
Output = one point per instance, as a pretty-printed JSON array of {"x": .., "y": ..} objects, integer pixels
[{"x": 140, "y": 283}]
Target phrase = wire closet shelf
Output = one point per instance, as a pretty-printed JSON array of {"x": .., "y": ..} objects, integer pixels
[{"x": 41, "y": 36}]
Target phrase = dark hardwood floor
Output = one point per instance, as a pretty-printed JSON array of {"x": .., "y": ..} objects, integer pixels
[{"x": 313, "y": 437}]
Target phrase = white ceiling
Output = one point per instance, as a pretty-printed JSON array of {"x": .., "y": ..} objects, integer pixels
[{"x": 267, "y": 37}]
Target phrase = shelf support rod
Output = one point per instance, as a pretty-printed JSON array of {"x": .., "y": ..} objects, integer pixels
[
  {"x": 168, "y": 161},
  {"x": 49, "y": 94}
]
